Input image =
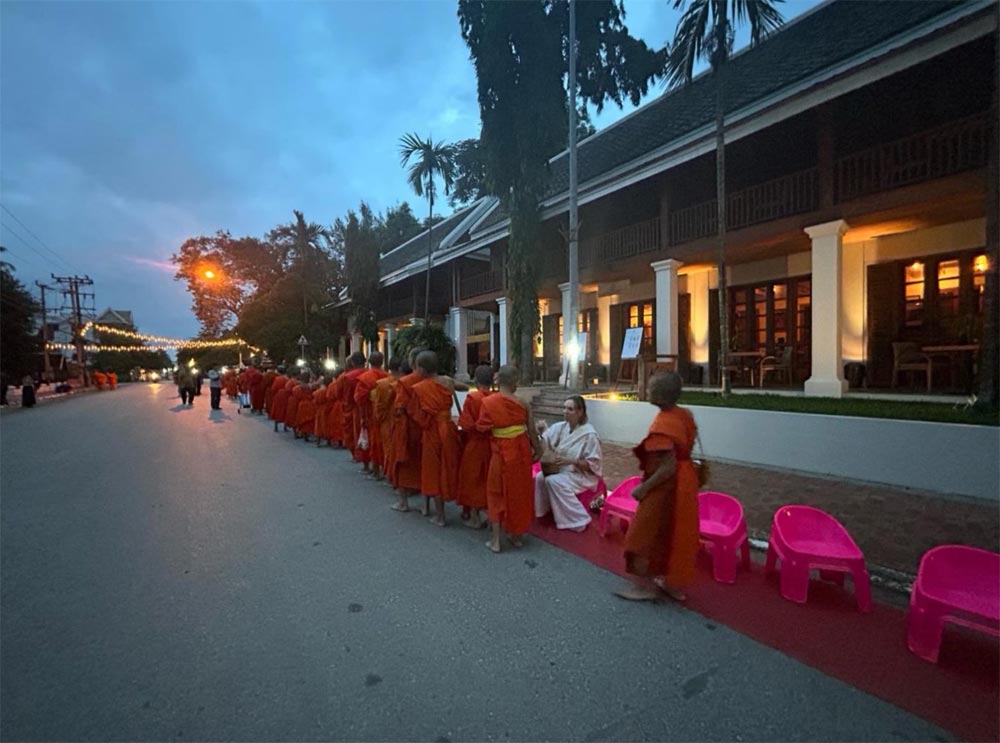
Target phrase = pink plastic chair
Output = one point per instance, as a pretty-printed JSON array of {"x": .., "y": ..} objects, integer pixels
[
  {"x": 805, "y": 538},
  {"x": 585, "y": 496},
  {"x": 619, "y": 504},
  {"x": 954, "y": 584},
  {"x": 724, "y": 531}
]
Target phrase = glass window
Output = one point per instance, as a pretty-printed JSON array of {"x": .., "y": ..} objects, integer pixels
[
  {"x": 641, "y": 315},
  {"x": 913, "y": 279},
  {"x": 779, "y": 292},
  {"x": 979, "y": 265},
  {"x": 760, "y": 317},
  {"x": 948, "y": 289}
]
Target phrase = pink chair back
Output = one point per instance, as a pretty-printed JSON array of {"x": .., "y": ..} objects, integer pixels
[
  {"x": 805, "y": 525},
  {"x": 975, "y": 572},
  {"x": 535, "y": 469},
  {"x": 720, "y": 509},
  {"x": 624, "y": 490}
]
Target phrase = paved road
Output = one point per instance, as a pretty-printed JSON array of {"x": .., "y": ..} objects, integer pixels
[{"x": 169, "y": 574}]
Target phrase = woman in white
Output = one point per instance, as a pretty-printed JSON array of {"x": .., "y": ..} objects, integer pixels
[{"x": 573, "y": 446}]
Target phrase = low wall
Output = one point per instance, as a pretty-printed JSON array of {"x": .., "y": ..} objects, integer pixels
[{"x": 938, "y": 457}]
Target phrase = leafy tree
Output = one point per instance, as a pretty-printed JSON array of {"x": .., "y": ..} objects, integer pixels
[
  {"x": 428, "y": 337},
  {"x": 361, "y": 236},
  {"x": 397, "y": 226},
  {"x": 431, "y": 160},
  {"x": 302, "y": 245},
  {"x": 19, "y": 343},
  {"x": 520, "y": 54},
  {"x": 706, "y": 31},
  {"x": 470, "y": 173}
]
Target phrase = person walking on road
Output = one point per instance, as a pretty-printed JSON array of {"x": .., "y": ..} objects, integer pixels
[
  {"x": 215, "y": 388},
  {"x": 28, "y": 391},
  {"x": 185, "y": 384}
]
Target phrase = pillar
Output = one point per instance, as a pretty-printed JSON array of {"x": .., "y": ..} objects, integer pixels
[
  {"x": 666, "y": 306},
  {"x": 604, "y": 304},
  {"x": 356, "y": 341},
  {"x": 459, "y": 326},
  {"x": 390, "y": 338},
  {"x": 504, "y": 330},
  {"x": 827, "y": 378}
]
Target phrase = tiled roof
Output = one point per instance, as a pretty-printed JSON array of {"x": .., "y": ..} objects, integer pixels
[
  {"x": 416, "y": 247},
  {"x": 817, "y": 41}
]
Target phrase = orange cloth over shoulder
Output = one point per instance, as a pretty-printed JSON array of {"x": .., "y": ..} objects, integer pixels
[
  {"x": 269, "y": 377},
  {"x": 278, "y": 384},
  {"x": 305, "y": 418},
  {"x": 476, "y": 452},
  {"x": 363, "y": 400},
  {"x": 383, "y": 397},
  {"x": 406, "y": 436},
  {"x": 113, "y": 380},
  {"x": 100, "y": 379},
  {"x": 280, "y": 404},
  {"x": 352, "y": 424},
  {"x": 662, "y": 539},
  {"x": 319, "y": 402},
  {"x": 334, "y": 413},
  {"x": 439, "y": 446},
  {"x": 510, "y": 490},
  {"x": 292, "y": 411}
]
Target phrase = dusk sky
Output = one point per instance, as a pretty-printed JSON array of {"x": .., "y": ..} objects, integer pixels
[{"x": 126, "y": 128}]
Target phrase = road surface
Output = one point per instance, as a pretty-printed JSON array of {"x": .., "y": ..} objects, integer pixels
[{"x": 173, "y": 574}]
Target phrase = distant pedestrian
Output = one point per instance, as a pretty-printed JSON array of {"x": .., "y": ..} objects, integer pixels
[
  {"x": 185, "y": 384},
  {"x": 3, "y": 388},
  {"x": 28, "y": 391},
  {"x": 215, "y": 388}
]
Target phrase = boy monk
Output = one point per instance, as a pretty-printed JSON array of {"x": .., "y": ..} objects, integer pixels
[
  {"x": 305, "y": 420},
  {"x": 370, "y": 457},
  {"x": 334, "y": 412},
  {"x": 439, "y": 447},
  {"x": 382, "y": 398},
  {"x": 475, "y": 464},
  {"x": 509, "y": 487},
  {"x": 279, "y": 403},
  {"x": 406, "y": 438},
  {"x": 355, "y": 368}
]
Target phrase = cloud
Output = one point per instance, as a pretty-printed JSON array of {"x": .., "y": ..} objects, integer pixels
[{"x": 158, "y": 265}]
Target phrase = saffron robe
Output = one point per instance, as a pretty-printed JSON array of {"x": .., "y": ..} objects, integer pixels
[
  {"x": 334, "y": 413},
  {"x": 319, "y": 402},
  {"x": 280, "y": 403},
  {"x": 305, "y": 417},
  {"x": 100, "y": 379},
  {"x": 113, "y": 380},
  {"x": 229, "y": 382},
  {"x": 382, "y": 398},
  {"x": 664, "y": 531},
  {"x": 439, "y": 445},
  {"x": 476, "y": 453},
  {"x": 292, "y": 409},
  {"x": 406, "y": 436},
  {"x": 269, "y": 377},
  {"x": 352, "y": 425},
  {"x": 279, "y": 383},
  {"x": 509, "y": 486},
  {"x": 255, "y": 385},
  {"x": 362, "y": 399}
]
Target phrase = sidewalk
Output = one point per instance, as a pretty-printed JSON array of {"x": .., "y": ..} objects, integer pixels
[{"x": 893, "y": 527}]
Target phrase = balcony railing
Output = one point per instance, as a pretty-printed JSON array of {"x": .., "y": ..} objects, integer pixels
[
  {"x": 626, "y": 242},
  {"x": 399, "y": 307},
  {"x": 943, "y": 151},
  {"x": 781, "y": 197},
  {"x": 481, "y": 283}
]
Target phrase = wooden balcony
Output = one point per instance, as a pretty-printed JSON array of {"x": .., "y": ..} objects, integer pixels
[
  {"x": 399, "y": 307},
  {"x": 626, "y": 242},
  {"x": 486, "y": 282},
  {"x": 943, "y": 151},
  {"x": 781, "y": 197}
]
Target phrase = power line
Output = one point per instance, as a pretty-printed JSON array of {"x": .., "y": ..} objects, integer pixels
[
  {"x": 37, "y": 238},
  {"x": 27, "y": 244}
]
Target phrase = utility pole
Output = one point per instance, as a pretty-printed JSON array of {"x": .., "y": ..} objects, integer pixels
[
  {"x": 571, "y": 341},
  {"x": 45, "y": 331},
  {"x": 72, "y": 291}
]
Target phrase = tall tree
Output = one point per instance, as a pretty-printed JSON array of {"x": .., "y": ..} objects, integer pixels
[
  {"x": 19, "y": 343},
  {"x": 431, "y": 161},
  {"x": 520, "y": 54},
  {"x": 470, "y": 173},
  {"x": 360, "y": 235},
  {"x": 397, "y": 226},
  {"x": 706, "y": 31},
  {"x": 302, "y": 245}
]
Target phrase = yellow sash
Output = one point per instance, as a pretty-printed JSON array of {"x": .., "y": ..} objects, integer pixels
[{"x": 510, "y": 432}]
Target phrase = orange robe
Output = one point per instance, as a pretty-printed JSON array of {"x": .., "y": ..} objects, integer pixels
[
  {"x": 229, "y": 382},
  {"x": 292, "y": 409},
  {"x": 664, "y": 531},
  {"x": 319, "y": 401},
  {"x": 334, "y": 413},
  {"x": 113, "y": 380},
  {"x": 278, "y": 384},
  {"x": 363, "y": 400},
  {"x": 280, "y": 406},
  {"x": 510, "y": 492},
  {"x": 352, "y": 424},
  {"x": 100, "y": 379},
  {"x": 439, "y": 447},
  {"x": 406, "y": 436},
  {"x": 269, "y": 378},
  {"x": 475, "y": 465},
  {"x": 255, "y": 386},
  {"x": 305, "y": 417},
  {"x": 383, "y": 397}
]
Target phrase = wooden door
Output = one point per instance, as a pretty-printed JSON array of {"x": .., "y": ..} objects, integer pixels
[
  {"x": 713, "y": 335},
  {"x": 684, "y": 336},
  {"x": 885, "y": 293},
  {"x": 550, "y": 345},
  {"x": 616, "y": 322}
]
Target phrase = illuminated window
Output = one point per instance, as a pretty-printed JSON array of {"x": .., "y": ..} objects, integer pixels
[
  {"x": 779, "y": 293},
  {"x": 947, "y": 286},
  {"x": 760, "y": 317},
  {"x": 913, "y": 279},
  {"x": 979, "y": 265},
  {"x": 641, "y": 315}
]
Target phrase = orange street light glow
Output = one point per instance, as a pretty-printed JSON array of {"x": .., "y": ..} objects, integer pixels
[{"x": 209, "y": 274}]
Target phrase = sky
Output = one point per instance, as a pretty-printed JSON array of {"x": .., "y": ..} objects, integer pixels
[{"x": 128, "y": 127}]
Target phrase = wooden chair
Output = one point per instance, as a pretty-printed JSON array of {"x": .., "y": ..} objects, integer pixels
[
  {"x": 907, "y": 358},
  {"x": 778, "y": 364},
  {"x": 738, "y": 370}
]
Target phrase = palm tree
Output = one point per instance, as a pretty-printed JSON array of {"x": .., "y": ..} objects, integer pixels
[
  {"x": 5, "y": 265},
  {"x": 431, "y": 160},
  {"x": 705, "y": 31},
  {"x": 301, "y": 241}
]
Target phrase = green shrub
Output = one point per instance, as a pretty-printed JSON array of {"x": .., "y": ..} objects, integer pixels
[{"x": 430, "y": 337}]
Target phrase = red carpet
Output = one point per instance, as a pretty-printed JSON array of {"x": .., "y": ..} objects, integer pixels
[{"x": 961, "y": 693}]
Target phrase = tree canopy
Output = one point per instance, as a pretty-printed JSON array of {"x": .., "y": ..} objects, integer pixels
[{"x": 18, "y": 339}]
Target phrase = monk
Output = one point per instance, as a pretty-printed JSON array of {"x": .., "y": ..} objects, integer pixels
[
  {"x": 352, "y": 421},
  {"x": 406, "y": 439},
  {"x": 269, "y": 376},
  {"x": 229, "y": 382},
  {"x": 382, "y": 398},
  {"x": 277, "y": 384},
  {"x": 305, "y": 417},
  {"x": 280, "y": 404},
  {"x": 112, "y": 380},
  {"x": 439, "y": 445},
  {"x": 291, "y": 406},
  {"x": 514, "y": 445},
  {"x": 100, "y": 379},
  {"x": 372, "y": 456},
  {"x": 662, "y": 541},
  {"x": 334, "y": 412},
  {"x": 255, "y": 386},
  {"x": 475, "y": 465},
  {"x": 319, "y": 401}
]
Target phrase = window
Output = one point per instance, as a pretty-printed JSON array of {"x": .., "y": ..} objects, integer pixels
[
  {"x": 739, "y": 305},
  {"x": 768, "y": 317},
  {"x": 641, "y": 315},
  {"x": 760, "y": 314},
  {"x": 979, "y": 265},
  {"x": 780, "y": 294},
  {"x": 948, "y": 288},
  {"x": 803, "y": 314},
  {"x": 913, "y": 292}
]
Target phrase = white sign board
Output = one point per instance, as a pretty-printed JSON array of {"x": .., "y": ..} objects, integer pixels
[
  {"x": 302, "y": 341},
  {"x": 633, "y": 340}
]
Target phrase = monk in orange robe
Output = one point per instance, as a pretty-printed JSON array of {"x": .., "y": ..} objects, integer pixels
[
  {"x": 382, "y": 398},
  {"x": 439, "y": 444},
  {"x": 291, "y": 408},
  {"x": 475, "y": 465},
  {"x": 662, "y": 541},
  {"x": 334, "y": 412},
  {"x": 113, "y": 380},
  {"x": 352, "y": 422},
  {"x": 277, "y": 384},
  {"x": 319, "y": 401},
  {"x": 305, "y": 416},
  {"x": 514, "y": 445},
  {"x": 372, "y": 456},
  {"x": 406, "y": 439},
  {"x": 255, "y": 386},
  {"x": 229, "y": 382},
  {"x": 269, "y": 376},
  {"x": 100, "y": 379},
  {"x": 280, "y": 404}
]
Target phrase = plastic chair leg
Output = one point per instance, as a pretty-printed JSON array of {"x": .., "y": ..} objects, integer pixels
[
  {"x": 772, "y": 558},
  {"x": 924, "y": 631},
  {"x": 602, "y": 524},
  {"x": 745, "y": 554},
  {"x": 862, "y": 589},
  {"x": 794, "y": 581},
  {"x": 723, "y": 563}
]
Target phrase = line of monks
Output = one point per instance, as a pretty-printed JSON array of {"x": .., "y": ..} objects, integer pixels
[
  {"x": 398, "y": 425},
  {"x": 109, "y": 380}
]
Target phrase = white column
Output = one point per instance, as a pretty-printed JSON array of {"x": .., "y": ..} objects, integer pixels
[
  {"x": 504, "y": 339},
  {"x": 356, "y": 341},
  {"x": 666, "y": 305},
  {"x": 604, "y": 304},
  {"x": 390, "y": 338},
  {"x": 493, "y": 349},
  {"x": 460, "y": 335},
  {"x": 827, "y": 378}
]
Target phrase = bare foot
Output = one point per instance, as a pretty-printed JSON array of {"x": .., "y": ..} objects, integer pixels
[
  {"x": 472, "y": 523},
  {"x": 633, "y": 592},
  {"x": 671, "y": 593},
  {"x": 401, "y": 507},
  {"x": 425, "y": 510},
  {"x": 493, "y": 547},
  {"x": 438, "y": 521},
  {"x": 517, "y": 542}
]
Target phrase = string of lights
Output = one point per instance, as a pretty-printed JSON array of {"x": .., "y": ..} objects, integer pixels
[{"x": 166, "y": 343}]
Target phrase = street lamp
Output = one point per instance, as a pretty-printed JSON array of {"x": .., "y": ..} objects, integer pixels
[
  {"x": 300, "y": 363},
  {"x": 209, "y": 274}
]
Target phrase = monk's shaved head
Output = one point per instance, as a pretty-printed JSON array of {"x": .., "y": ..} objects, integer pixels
[
  {"x": 428, "y": 362},
  {"x": 357, "y": 359},
  {"x": 665, "y": 389},
  {"x": 376, "y": 359},
  {"x": 484, "y": 375},
  {"x": 395, "y": 364},
  {"x": 412, "y": 356},
  {"x": 508, "y": 376}
]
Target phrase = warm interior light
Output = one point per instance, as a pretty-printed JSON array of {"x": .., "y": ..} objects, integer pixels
[
  {"x": 329, "y": 364},
  {"x": 191, "y": 363},
  {"x": 613, "y": 396},
  {"x": 980, "y": 264}
]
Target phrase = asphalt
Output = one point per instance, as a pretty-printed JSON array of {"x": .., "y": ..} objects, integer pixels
[{"x": 176, "y": 574}]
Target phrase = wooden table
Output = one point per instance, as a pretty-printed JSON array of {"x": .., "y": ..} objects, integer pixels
[
  {"x": 954, "y": 351},
  {"x": 753, "y": 357}
]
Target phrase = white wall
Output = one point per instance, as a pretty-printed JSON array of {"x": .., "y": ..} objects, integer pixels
[{"x": 936, "y": 457}]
